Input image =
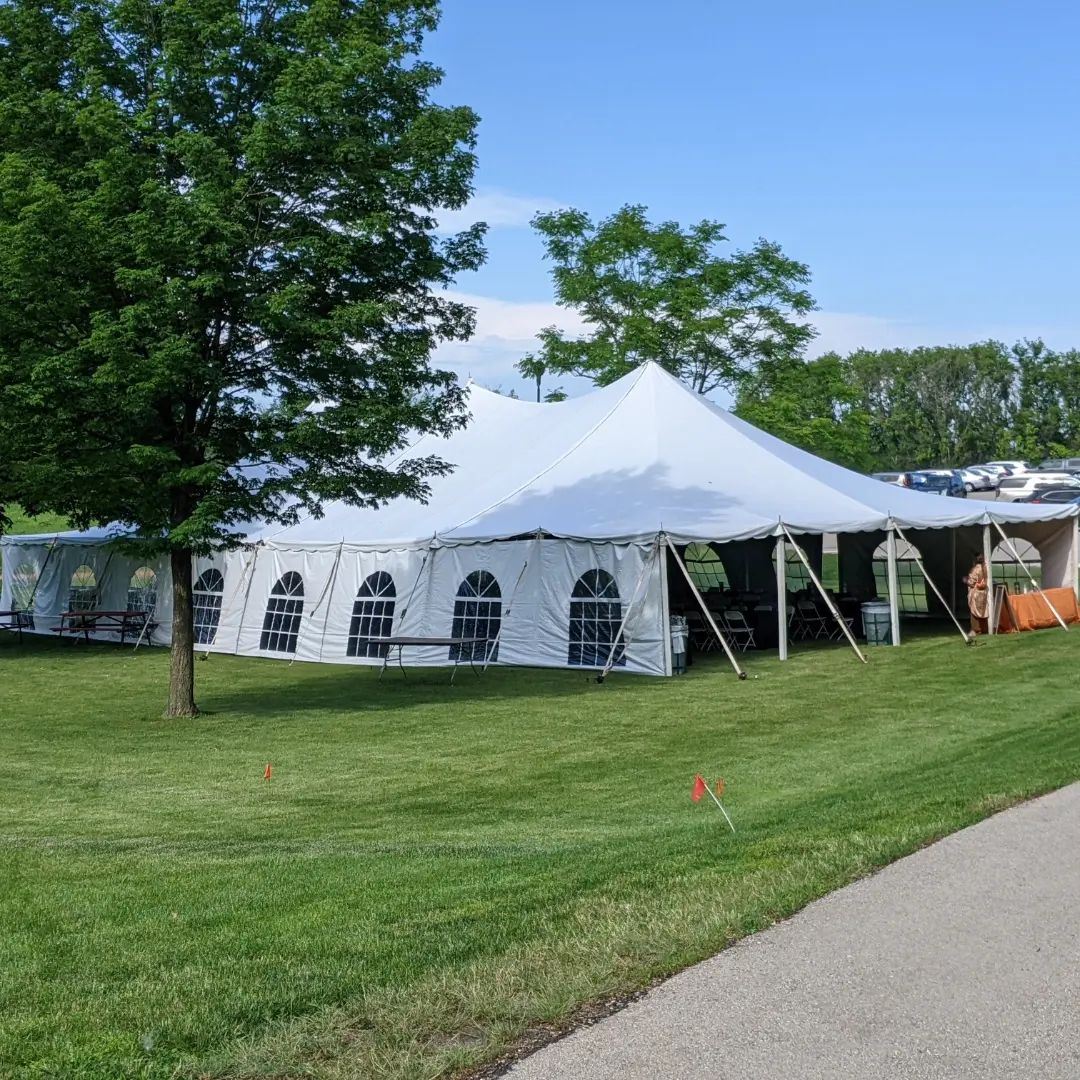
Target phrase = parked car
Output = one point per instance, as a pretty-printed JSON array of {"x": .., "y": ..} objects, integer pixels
[
  {"x": 1068, "y": 464},
  {"x": 939, "y": 482},
  {"x": 900, "y": 479},
  {"x": 975, "y": 479},
  {"x": 1014, "y": 488},
  {"x": 1015, "y": 468},
  {"x": 1054, "y": 495}
]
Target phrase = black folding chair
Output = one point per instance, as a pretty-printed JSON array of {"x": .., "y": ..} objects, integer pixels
[{"x": 739, "y": 632}]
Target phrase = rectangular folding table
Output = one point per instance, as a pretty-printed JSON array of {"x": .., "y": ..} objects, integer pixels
[{"x": 407, "y": 642}]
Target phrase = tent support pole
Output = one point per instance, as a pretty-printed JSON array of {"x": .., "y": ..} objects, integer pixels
[
  {"x": 781, "y": 598},
  {"x": 1038, "y": 588},
  {"x": 665, "y": 611},
  {"x": 988, "y": 559},
  {"x": 610, "y": 662},
  {"x": 329, "y": 595},
  {"x": 824, "y": 595},
  {"x": 952, "y": 579},
  {"x": 705, "y": 610},
  {"x": 930, "y": 581},
  {"x": 247, "y": 596},
  {"x": 894, "y": 585}
]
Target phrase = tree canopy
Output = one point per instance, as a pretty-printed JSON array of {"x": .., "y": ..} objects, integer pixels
[
  {"x": 220, "y": 279},
  {"x": 667, "y": 294},
  {"x": 924, "y": 407}
]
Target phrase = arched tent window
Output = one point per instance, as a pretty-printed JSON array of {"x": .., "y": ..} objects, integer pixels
[
  {"x": 281, "y": 624},
  {"x": 595, "y": 617},
  {"x": 705, "y": 567},
  {"x": 909, "y": 578},
  {"x": 206, "y": 605},
  {"x": 477, "y": 614},
  {"x": 1007, "y": 571},
  {"x": 83, "y": 594},
  {"x": 24, "y": 581},
  {"x": 372, "y": 616},
  {"x": 142, "y": 590},
  {"x": 795, "y": 573}
]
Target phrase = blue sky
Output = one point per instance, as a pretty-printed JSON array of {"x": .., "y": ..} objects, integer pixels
[{"x": 922, "y": 158}]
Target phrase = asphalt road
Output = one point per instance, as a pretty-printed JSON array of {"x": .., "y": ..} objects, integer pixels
[{"x": 962, "y": 960}]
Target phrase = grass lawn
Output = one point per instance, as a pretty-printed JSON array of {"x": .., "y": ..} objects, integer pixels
[{"x": 433, "y": 868}]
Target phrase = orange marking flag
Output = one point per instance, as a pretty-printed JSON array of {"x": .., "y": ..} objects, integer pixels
[
  {"x": 700, "y": 787},
  {"x": 267, "y": 772}
]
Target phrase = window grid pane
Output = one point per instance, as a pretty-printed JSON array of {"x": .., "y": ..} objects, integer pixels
[
  {"x": 595, "y": 617},
  {"x": 372, "y": 617},
  {"x": 477, "y": 613},
  {"x": 206, "y": 602},
  {"x": 281, "y": 624}
]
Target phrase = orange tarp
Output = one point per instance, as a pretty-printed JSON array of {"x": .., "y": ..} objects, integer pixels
[{"x": 1029, "y": 611}]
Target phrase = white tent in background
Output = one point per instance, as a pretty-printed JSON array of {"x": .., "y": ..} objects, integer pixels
[{"x": 552, "y": 538}]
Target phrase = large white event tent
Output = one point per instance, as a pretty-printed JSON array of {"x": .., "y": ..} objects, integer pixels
[{"x": 556, "y": 538}]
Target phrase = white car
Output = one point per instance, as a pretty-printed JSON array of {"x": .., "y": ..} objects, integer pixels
[
  {"x": 976, "y": 480},
  {"x": 1012, "y": 488},
  {"x": 1016, "y": 468}
]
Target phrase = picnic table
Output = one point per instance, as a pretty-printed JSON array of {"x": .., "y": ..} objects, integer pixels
[
  {"x": 108, "y": 622},
  {"x": 14, "y": 620},
  {"x": 405, "y": 642}
]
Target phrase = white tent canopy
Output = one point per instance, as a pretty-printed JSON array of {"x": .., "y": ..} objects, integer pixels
[
  {"x": 625, "y": 462},
  {"x": 545, "y": 540}
]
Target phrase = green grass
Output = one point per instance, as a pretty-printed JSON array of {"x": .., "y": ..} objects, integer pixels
[
  {"x": 22, "y": 523},
  {"x": 433, "y": 868}
]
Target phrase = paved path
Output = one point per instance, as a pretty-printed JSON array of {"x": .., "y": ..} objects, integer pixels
[{"x": 962, "y": 960}]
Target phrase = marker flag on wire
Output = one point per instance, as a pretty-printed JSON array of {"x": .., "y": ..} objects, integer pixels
[
  {"x": 268, "y": 771},
  {"x": 701, "y": 787}
]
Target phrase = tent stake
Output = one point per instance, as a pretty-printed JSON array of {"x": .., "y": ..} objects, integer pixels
[
  {"x": 707, "y": 613},
  {"x": 824, "y": 595},
  {"x": 1038, "y": 588},
  {"x": 929, "y": 581}
]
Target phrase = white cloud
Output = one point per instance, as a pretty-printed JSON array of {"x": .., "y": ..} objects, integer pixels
[
  {"x": 500, "y": 209},
  {"x": 506, "y": 330}
]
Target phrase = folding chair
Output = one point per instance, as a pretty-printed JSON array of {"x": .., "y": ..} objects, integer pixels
[
  {"x": 814, "y": 625},
  {"x": 740, "y": 633},
  {"x": 701, "y": 635}
]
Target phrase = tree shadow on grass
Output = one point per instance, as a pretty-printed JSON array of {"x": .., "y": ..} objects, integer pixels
[{"x": 355, "y": 689}]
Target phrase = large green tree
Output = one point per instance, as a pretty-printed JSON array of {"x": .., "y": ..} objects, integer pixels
[
  {"x": 936, "y": 406},
  {"x": 1046, "y": 419},
  {"x": 813, "y": 404},
  {"x": 668, "y": 294},
  {"x": 214, "y": 215}
]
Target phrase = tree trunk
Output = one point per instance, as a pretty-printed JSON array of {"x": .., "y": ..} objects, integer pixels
[{"x": 182, "y": 658}]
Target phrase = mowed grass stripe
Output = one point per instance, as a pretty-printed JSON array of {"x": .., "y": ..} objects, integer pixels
[{"x": 433, "y": 868}]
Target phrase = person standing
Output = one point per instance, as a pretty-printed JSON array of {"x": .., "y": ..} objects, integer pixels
[{"x": 978, "y": 597}]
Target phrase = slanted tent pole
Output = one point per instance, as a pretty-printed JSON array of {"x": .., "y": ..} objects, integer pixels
[
  {"x": 930, "y": 581},
  {"x": 493, "y": 644},
  {"x": 247, "y": 596},
  {"x": 1038, "y": 587},
  {"x": 824, "y": 595},
  {"x": 329, "y": 596},
  {"x": 988, "y": 559},
  {"x": 781, "y": 596},
  {"x": 705, "y": 611},
  {"x": 646, "y": 564},
  {"x": 894, "y": 586}
]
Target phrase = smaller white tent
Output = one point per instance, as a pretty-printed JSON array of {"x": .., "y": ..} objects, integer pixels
[{"x": 551, "y": 538}]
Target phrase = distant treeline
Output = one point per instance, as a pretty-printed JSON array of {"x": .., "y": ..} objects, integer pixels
[{"x": 921, "y": 408}]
